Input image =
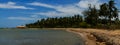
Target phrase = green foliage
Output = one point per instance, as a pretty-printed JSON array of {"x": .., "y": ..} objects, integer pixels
[
  {"x": 61, "y": 22},
  {"x": 84, "y": 25},
  {"x": 109, "y": 12},
  {"x": 91, "y": 15},
  {"x": 106, "y": 18}
]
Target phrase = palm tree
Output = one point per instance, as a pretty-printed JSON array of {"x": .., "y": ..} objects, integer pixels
[{"x": 91, "y": 15}]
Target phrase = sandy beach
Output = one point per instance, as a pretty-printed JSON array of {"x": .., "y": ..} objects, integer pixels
[{"x": 97, "y": 36}]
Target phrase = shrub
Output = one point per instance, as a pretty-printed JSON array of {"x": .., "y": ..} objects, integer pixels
[{"x": 84, "y": 25}]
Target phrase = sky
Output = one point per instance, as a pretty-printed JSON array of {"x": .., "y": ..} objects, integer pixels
[{"x": 20, "y": 12}]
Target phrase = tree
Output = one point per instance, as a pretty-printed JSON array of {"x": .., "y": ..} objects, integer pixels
[
  {"x": 113, "y": 10},
  {"x": 61, "y": 22},
  {"x": 91, "y": 15},
  {"x": 105, "y": 17},
  {"x": 109, "y": 12},
  {"x": 104, "y": 13}
]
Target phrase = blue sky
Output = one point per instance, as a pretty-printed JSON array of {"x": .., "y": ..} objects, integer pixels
[{"x": 19, "y": 12}]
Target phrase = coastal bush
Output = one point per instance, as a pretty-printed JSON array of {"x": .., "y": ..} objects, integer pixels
[{"x": 84, "y": 25}]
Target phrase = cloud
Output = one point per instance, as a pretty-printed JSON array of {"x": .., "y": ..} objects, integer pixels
[
  {"x": 60, "y": 10},
  {"x": 85, "y": 3},
  {"x": 52, "y": 14},
  {"x": 41, "y": 4},
  {"x": 22, "y": 18},
  {"x": 119, "y": 15},
  {"x": 12, "y": 5},
  {"x": 66, "y": 10}
]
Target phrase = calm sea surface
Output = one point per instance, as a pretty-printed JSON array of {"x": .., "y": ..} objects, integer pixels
[{"x": 38, "y": 37}]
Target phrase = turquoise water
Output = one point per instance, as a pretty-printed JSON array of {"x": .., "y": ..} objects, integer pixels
[{"x": 38, "y": 37}]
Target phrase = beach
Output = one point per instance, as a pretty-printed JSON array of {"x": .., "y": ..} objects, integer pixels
[{"x": 98, "y": 36}]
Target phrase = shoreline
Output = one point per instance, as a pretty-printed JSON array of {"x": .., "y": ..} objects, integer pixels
[
  {"x": 93, "y": 36},
  {"x": 87, "y": 38},
  {"x": 98, "y": 36}
]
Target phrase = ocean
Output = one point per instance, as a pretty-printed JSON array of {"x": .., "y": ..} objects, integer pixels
[{"x": 38, "y": 37}]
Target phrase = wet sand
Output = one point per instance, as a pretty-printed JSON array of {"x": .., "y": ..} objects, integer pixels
[{"x": 88, "y": 39}]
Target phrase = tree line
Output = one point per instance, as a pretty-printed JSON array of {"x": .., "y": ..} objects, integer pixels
[{"x": 105, "y": 17}]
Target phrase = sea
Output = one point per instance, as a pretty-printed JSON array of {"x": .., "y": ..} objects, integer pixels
[{"x": 38, "y": 37}]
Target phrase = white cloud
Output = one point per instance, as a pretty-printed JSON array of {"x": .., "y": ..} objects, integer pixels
[
  {"x": 41, "y": 4},
  {"x": 52, "y": 14},
  {"x": 119, "y": 15},
  {"x": 23, "y": 18},
  {"x": 59, "y": 10},
  {"x": 12, "y": 5},
  {"x": 85, "y": 3},
  {"x": 69, "y": 10},
  {"x": 34, "y": 16}
]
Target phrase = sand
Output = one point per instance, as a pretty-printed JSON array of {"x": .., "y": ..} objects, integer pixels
[{"x": 98, "y": 36}]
